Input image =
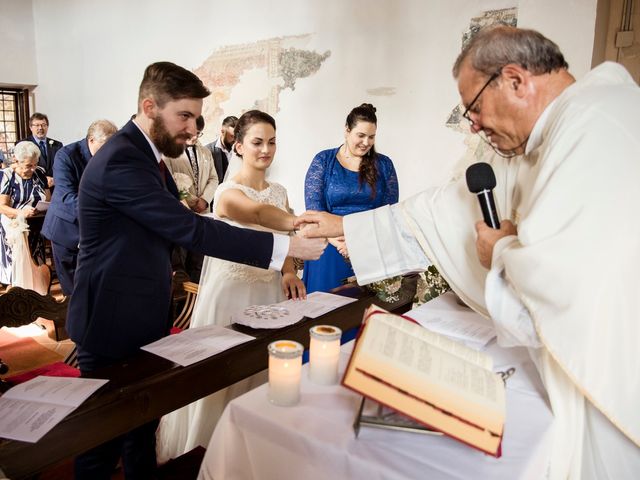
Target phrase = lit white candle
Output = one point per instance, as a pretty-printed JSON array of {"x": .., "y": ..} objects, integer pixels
[
  {"x": 285, "y": 365},
  {"x": 324, "y": 354}
]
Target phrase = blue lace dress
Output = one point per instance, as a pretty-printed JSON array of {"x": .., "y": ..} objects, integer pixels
[{"x": 332, "y": 188}]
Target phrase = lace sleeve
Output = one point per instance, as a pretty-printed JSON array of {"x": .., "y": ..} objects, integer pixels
[
  {"x": 391, "y": 191},
  {"x": 314, "y": 194}
]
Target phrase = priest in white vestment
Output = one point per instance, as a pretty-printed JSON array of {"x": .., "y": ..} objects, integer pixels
[{"x": 561, "y": 275}]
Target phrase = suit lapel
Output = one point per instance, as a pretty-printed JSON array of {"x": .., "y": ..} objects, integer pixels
[
  {"x": 139, "y": 140},
  {"x": 50, "y": 153},
  {"x": 171, "y": 186},
  {"x": 85, "y": 153}
]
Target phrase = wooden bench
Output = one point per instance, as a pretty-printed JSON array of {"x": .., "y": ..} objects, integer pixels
[{"x": 145, "y": 387}]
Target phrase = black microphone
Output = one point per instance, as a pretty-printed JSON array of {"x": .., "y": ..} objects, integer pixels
[{"x": 481, "y": 180}]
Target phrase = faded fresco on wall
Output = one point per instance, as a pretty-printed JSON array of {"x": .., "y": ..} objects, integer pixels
[
  {"x": 477, "y": 149},
  {"x": 257, "y": 71}
]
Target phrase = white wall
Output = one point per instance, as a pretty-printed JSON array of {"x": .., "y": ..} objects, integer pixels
[
  {"x": 91, "y": 56},
  {"x": 17, "y": 43}
]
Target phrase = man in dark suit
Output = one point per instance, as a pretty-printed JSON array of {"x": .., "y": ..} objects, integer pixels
[
  {"x": 39, "y": 125},
  {"x": 222, "y": 147},
  {"x": 130, "y": 217},
  {"x": 61, "y": 222}
]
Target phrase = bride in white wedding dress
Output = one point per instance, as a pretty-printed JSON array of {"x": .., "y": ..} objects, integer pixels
[{"x": 246, "y": 200}]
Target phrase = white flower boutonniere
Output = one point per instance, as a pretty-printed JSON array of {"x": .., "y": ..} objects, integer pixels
[{"x": 184, "y": 183}]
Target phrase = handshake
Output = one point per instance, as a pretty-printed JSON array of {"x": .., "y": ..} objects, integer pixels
[{"x": 316, "y": 229}]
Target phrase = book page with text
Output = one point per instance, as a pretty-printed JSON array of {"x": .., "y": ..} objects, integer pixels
[{"x": 401, "y": 354}]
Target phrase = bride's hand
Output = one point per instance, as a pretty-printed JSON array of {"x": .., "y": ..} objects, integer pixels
[
  {"x": 340, "y": 244},
  {"x": 292, "y": 286}
]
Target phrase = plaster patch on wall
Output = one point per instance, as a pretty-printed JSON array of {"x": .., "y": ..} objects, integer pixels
[
  {"x": 477, "y": 150},
  {"x": 382, "y": 91},
  {"x": 280, "y": 61},
  {"x": 504, "y": 16}
]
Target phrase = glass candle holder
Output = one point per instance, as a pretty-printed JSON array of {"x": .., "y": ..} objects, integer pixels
[
  {"x": 285, "y": 365},
  {"x": 324, "y": 354}
]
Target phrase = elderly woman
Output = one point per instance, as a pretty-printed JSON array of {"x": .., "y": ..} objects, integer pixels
[{"x": 22, "y": 185}]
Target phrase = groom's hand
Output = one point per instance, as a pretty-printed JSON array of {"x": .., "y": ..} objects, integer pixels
[
  {"x": 326, "y": 224},
  {"x": 306, "y": 248}
]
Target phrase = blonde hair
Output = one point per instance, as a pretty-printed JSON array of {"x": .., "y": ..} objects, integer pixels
[{"x": 101, "y": 130}]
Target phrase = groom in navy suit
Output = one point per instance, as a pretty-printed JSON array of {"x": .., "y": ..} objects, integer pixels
[
  {"x": 130, "y": 217},
  {"x": 61, "y": 222}
]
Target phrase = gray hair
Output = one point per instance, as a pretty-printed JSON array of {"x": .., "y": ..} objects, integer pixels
[
  {"x": 494, "y": 47},
  {"x": 101, "y": 130},
  {"x": 26, "y": 151}
]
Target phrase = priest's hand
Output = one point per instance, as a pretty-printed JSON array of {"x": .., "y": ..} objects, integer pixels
[
  {"x": 327, "y": 225},
  {"x": 488, "y": 237},
  {"x": 306, "y": 248}
]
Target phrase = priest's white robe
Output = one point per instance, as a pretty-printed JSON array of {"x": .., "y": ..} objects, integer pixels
[{"x": 571, "y": 271}]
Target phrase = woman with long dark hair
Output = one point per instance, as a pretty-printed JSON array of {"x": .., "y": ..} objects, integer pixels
[{"x": 347, "y": 179}]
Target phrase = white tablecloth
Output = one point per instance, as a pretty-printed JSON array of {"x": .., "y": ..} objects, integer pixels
[{"x": 315, "y": 439}]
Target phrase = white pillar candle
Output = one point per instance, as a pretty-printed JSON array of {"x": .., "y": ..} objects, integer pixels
[
  {"x": 285, "y": 365},
  {"x": 324, "y": 354}
]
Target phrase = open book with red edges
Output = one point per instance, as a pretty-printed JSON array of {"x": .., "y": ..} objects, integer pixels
[{"x": 430, "y": 378}]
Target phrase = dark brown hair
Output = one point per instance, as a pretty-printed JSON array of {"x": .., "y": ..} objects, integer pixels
[
  {"x": 165, "y": 81},
  {"x": 230, "y": 121},
  {"x": 368, "y": 171},
  {"x": 38, "y": 116},
  {"x": 246, "y": 120}
]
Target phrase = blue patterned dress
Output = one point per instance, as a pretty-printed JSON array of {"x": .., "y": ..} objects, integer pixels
[
  {"x": 332, "y": 188},
  {"x": 23, "y": 193}
]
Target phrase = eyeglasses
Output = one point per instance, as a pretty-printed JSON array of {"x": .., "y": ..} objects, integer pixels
[
  {"x": 504, "y": 154},
  {"x": 40, "y": 125},
  {"x": 466, "y": 113}
]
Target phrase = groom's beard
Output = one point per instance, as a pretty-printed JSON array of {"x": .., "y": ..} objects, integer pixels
[{"x": 164, "y": 142}]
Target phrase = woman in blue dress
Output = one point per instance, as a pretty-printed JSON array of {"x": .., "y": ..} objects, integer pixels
[
  {"x": 350, "y": 178},
  {"x": 22, "y": 186}
]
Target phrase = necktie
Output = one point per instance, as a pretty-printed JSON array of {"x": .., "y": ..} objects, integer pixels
[
  {"x": 43, "y": 149},
  {"x": 163, "y": 171},
  {"x": 194, "y": 164}
]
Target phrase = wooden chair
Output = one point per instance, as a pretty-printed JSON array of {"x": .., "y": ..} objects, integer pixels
[
  {"x": 19, "y": 306},
  {"x": 183, "y": 319}
]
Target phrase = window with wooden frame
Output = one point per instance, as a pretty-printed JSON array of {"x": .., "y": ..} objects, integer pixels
[{"x": 14, "y": 118}]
